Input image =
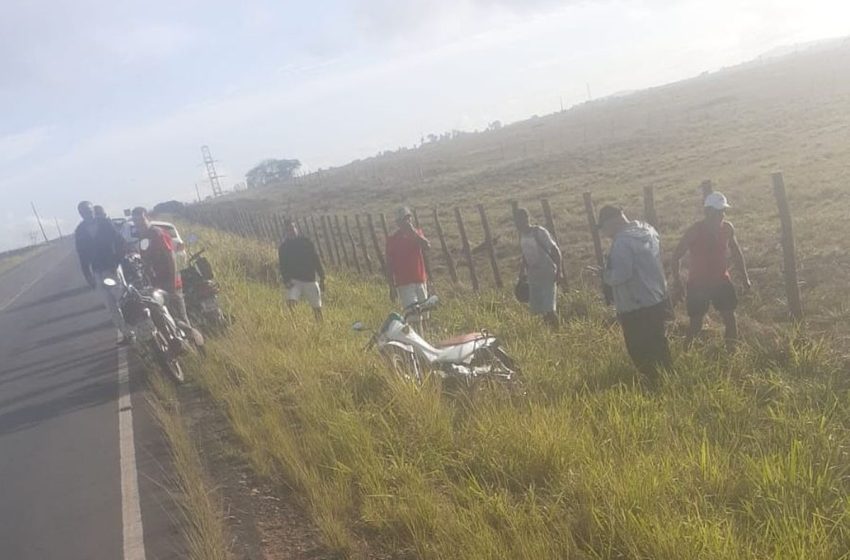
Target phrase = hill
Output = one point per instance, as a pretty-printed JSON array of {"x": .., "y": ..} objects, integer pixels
[{"x": 734, "y": 126}]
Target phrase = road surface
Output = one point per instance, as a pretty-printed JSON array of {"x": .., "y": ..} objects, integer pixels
[{"x": 82, "y": 465}]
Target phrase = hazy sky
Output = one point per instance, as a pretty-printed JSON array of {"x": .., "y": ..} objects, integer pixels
[{"x": 111, "y": 100}]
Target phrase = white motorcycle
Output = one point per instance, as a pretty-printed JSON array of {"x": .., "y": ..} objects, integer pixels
[{"x": 468, "y": 358}]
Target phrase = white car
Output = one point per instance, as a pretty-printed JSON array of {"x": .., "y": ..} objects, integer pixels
[{"x": 128, "y": 232}]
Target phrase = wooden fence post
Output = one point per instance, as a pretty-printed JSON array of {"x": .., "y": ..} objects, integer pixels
[
  {"x": 597, "y": 242},
  {"x": 649, "y": 213},
  {"x": 363, "y": 247},
  {"x": 317, "y": 241},
  {"x": 384, "y": 226},
  {"x": 466, "y": 250},
  {"x": 328, "y": 240},
  {"x": 341, "y": 237},
  {"x": 353, "y": 245},
  {"x": 335, "y": 238},
  {"x": 378, "y": 251},
  {"x": 425, "y": 256},
  {"x": 547, "y": 215},
  {"x": 792, "y": 285},
  {"x": 450, "y": 263},
  {"x": 514, "y": 207},
  {"x": 491, "y": 249}
]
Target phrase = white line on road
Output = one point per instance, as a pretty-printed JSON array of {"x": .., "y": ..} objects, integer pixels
[
  {"x": 29, "y": 285},
  {"x": 131, "y": 512}
]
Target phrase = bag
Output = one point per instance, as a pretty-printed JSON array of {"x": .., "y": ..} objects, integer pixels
[{"x": 521, "y": 291}]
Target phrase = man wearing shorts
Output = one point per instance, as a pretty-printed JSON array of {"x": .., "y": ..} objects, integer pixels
[
  {"x": 405, "y": 252},
  {"x": 301, "y": 270},
  {"x": 707, "y": 243}
]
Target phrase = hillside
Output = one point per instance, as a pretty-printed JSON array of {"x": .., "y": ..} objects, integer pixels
[{"x": 735, "y": 126}]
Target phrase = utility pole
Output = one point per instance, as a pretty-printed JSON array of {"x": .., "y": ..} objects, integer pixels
[
  {"x": 198, "y": 192},
  {"x": 38, "y": 219},
  {"x": 589, "y": 97},
  {"x": 209, "y": 163},
  {"x": 59, "y": 229}
]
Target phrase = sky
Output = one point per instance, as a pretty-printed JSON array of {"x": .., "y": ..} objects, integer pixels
[{"x": 110, "y": 101}]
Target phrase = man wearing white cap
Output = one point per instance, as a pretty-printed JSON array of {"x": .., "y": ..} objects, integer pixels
[{"x": 708, "y": 242}]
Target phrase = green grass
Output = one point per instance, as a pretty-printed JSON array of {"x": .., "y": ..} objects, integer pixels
[{"x": 733, "y": 457}]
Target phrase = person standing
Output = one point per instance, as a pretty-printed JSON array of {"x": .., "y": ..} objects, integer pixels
[
  {"x": 301, "y": 270},
  {"x": 160, "y": 263},
  {"x": 540, "y": 267},
  {"x": 100, "y": 248},
  {"x": 708, "y": 242},
  {"x": 635, "y": 274},
  {"x": 405, "y": 253}
]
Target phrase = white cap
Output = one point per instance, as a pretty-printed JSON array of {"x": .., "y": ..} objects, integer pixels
[{"x": 716, "y": 200}]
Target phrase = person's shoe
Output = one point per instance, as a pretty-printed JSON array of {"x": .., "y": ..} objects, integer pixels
[{"x": 128, "y": 340}]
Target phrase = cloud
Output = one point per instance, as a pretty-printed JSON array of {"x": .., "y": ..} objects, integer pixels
[{"x": 19, "y": 145}]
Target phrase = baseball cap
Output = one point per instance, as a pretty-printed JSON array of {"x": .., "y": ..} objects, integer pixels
[
  {"x": 716, "y": 200},
  {"x": 606, "y": 213},
  {"x": 402, "y": 213}
]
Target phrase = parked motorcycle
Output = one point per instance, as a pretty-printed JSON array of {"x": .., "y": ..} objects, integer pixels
[
  {"x": 469, "y": 357},
  {"x": 145, "y": 311},
  {"x": 200, "y": 290}
]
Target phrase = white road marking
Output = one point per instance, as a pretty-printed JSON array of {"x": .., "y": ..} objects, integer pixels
[
  {"x": 29, "y": 285},
  {"x": 131, "y": 512}
]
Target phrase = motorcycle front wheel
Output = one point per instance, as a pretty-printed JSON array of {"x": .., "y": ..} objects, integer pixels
[
  {"x": 403, "y": 364},
  {"x": 169, "y": 365}
]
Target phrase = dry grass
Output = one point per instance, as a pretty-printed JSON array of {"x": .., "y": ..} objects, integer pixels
[
  {"x": 203, "y": 518},
  {"x": 734, "y": 457}
]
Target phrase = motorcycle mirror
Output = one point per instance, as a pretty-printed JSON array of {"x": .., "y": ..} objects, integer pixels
[
  {"x": 191, "y": 239},
  {"x": 109, "y": 282},
  {"x": 358, "y": 326},
  {"x": 144, "y": 244}
]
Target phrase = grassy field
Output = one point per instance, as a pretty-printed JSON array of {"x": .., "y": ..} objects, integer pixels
[
  {"x": 733, "y": 457},
  {"x": 735, "y": 126}
]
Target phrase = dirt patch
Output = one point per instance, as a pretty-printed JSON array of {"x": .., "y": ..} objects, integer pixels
[{"x": 264, "y": 521}]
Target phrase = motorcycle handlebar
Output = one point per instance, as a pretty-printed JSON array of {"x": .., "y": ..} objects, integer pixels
[{"x": 195, "y": 257}]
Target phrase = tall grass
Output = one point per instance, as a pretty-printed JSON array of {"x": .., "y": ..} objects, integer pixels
[{"x": 733, "y": 457}]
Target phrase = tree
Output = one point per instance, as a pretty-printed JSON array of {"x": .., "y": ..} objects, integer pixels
[{"x": 271, "y": 171}]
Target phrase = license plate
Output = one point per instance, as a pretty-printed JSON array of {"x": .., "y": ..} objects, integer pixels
[{"x": 209, "y": 305}]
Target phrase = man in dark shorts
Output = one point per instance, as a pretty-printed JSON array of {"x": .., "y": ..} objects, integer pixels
[{"x": 707, "y": 243}]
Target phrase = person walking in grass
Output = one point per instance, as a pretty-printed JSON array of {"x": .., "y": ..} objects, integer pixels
[
  {"x": 301, "y": 270},
  {"x": 405, "y": 253},
  {"x": 634, "y": 272},
  {"x": 707, "y": 243},
  {"x": 100, "y": 248},
  {"x": 540, "y": 267}
]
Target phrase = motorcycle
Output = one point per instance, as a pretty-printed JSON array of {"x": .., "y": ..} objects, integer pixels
[
  {"x": 200, "y": 291},
  {"x": 469, "y": 358},
  {"x": 145, "y": 311}
]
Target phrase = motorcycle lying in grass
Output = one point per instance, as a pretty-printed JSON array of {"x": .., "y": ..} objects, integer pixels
[
  {"x": 468, "y": 358},
  {"x": 145, "y": 311},
  {"x": 200, "y": 291}
]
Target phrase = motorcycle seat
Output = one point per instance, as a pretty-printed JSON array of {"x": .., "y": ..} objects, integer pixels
[{"x": 460, "y": 339}]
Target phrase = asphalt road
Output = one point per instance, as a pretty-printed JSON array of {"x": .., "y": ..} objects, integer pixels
[{"x": 83, "y": 468}]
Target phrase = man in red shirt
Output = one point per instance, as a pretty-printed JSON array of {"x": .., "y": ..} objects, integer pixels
[
  {"x": 406, "y": 261},
  {"x": 709, "y": 282},
  {"x": 159, "y": 261}
]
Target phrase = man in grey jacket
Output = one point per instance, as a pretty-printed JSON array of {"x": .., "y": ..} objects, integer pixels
[{"x": 636, "y": 277}]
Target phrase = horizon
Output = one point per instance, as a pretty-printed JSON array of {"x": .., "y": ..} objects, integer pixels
[{"x": 124, "y": 105}]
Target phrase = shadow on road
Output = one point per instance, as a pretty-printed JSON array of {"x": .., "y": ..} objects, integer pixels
[{"x": 52, "y": 298}]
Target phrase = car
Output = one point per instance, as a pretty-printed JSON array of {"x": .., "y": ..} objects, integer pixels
[{"x": 128, "y": 232}]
